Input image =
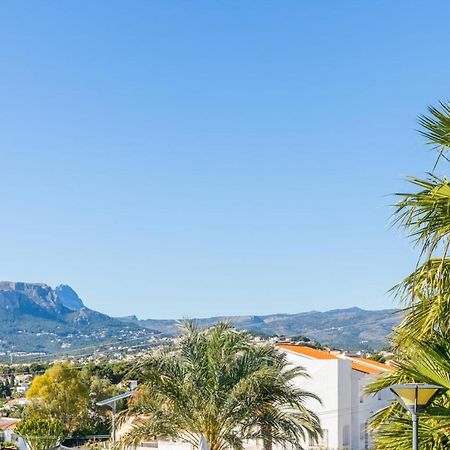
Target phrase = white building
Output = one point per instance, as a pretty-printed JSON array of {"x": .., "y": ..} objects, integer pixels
[
  {"x": 7, "y": 435},
  {"x": 338, "y": 380}
]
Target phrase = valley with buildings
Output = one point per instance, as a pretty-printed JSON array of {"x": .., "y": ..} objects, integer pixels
[{"x": 38, "y": 321}]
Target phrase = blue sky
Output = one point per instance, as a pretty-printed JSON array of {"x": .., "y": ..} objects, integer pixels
[{"x": 194, "y": 158}]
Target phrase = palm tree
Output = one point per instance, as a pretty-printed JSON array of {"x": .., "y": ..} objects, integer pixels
[
  {"x": 422, "y": 362},
  {"x": 220, "y": 388},
  {"x": 425, "y": 215},
  {"x": 422, "y": 339}
]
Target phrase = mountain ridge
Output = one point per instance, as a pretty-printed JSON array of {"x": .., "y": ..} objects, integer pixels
[
  {"x": 342, "y": 327},
  {"x": 34, "y": 317}
]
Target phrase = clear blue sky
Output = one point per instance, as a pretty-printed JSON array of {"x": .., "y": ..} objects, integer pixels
[{"x": 193, "y": 158}]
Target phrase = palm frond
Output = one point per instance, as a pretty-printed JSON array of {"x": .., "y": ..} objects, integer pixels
[
  {"x": 424, "y": 362},
  {"x": 425, "y": 214},
  {"x": 436, "y": 128},
  {"x": 426, "y": 294},
  {"x": 219, "y": 384}
]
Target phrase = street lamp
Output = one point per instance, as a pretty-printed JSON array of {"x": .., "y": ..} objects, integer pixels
[
  {"x": 415, "y": 397},
  {"x": 111, "y": 402}
]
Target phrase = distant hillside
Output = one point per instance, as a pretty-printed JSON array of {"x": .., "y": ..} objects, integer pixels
[
  {"x": 36, "y": 318},
  {"x": 351, "y": 328}
]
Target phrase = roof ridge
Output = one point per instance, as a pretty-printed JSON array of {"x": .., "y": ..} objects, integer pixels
[
  {"x": 307, "y": 351},
  {"x": 371, "y": 362}
]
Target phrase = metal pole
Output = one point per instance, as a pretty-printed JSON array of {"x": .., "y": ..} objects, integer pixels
[
  {"x": 113, "y": 425},
  {"x": 415, "y": 432}
]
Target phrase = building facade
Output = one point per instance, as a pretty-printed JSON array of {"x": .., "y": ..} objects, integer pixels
[{"x": 339, "y": 380}]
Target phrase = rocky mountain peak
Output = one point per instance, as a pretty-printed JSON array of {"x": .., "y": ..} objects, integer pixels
[{"x": 68, "y": 297}]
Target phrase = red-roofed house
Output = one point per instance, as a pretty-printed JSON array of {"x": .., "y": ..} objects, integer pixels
[
  {"x": 7, "y": 426},
  {"x": 339, "y": 381}
]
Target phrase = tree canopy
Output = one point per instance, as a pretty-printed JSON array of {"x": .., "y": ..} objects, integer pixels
[
  {"x": 219, "y": 386},
  {"x": 66, "y": 393},
  {"x": 41, "y": 434},
  {"x": 422, "y": 341}
]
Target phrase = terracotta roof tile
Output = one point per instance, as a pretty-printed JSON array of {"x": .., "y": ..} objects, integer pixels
[
  {"x": 8, "y": 423},
  {"x": 363, "y": 365},
  {"x": 384, "y": 367},
  {"x": 307, "y": 351},
  {"x": 366, "y": 369}
]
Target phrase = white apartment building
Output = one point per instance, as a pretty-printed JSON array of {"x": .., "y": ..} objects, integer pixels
[{"x": 338, "y": 380}]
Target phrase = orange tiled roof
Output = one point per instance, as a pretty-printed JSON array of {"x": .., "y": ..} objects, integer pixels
[
  {"x": 374, "y": 363},
  {"x": 307, "y": 351},
  {"x": 366, "y": 369},
  {"x": 8, "y": 423},
  {"x": 364, "y": 365},
  {"x": 369, "y": 366}
]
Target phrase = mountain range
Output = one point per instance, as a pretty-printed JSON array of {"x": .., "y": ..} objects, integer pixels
[
  {"x": 37, "y": 318},
  {"x": 350, "y": 328},
  {"x": 34, "y": 318}
]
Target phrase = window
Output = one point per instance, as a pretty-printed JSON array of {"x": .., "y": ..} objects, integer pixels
[
  {"x": 362, "y": 431},
  {"x": 366, "y": 436}
]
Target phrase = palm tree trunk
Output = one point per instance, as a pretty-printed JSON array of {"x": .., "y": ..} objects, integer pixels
[{"x": 266, "y": 432}]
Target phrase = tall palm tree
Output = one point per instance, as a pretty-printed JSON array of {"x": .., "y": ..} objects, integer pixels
[
  {"x": 422, "y": 340},
  {"x": 425, "y": 215},
  {"x": 219, "y": 387}
]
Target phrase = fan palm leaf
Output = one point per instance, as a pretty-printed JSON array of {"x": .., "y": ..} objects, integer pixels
[
  {"x": 426, "y": 296},
  {"x": 422, "y": 362}
]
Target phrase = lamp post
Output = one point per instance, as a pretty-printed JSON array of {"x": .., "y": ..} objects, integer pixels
[
  {"x": 111, "y": 402},
  {"x": 415, "y": 397}
]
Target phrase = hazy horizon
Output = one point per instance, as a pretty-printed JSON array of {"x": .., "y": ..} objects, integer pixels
[{"x": 229, "y": 315}]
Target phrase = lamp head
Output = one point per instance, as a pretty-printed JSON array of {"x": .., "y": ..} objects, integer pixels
[{"x": 415, "y": 397}]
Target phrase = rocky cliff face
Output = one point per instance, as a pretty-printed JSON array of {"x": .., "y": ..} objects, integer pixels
[
  {"x": 36, "y": 318},
  {"x": 36, "y": 299},
  {"x": 68, "y": 297}
]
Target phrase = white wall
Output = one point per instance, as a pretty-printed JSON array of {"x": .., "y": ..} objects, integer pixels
[
  {"x": 16, "y": 439},
  {"x": 369, "y": 406},
  {"x": 324, "y": 382},
  {"x": 345, "y": 409}
]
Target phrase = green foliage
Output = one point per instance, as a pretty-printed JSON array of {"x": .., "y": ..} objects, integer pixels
[
  {"x": 60, "y": 393},
  {"x": 114, "y": 372},
  {"x": 425, "y": 215},
  {"x": 70, "y": 395},
  {"x": 378, "y": 357},
  {"x": 436, "y": 127},
  {"x": 426, "y": 293},
  {"x": 41, "y": 434},
  {"x": 421, "y": 362},
  {"x": 422, "y": 341},
  {"x": 218, "y": 384},
  {"x": 5, "y": 389}
]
